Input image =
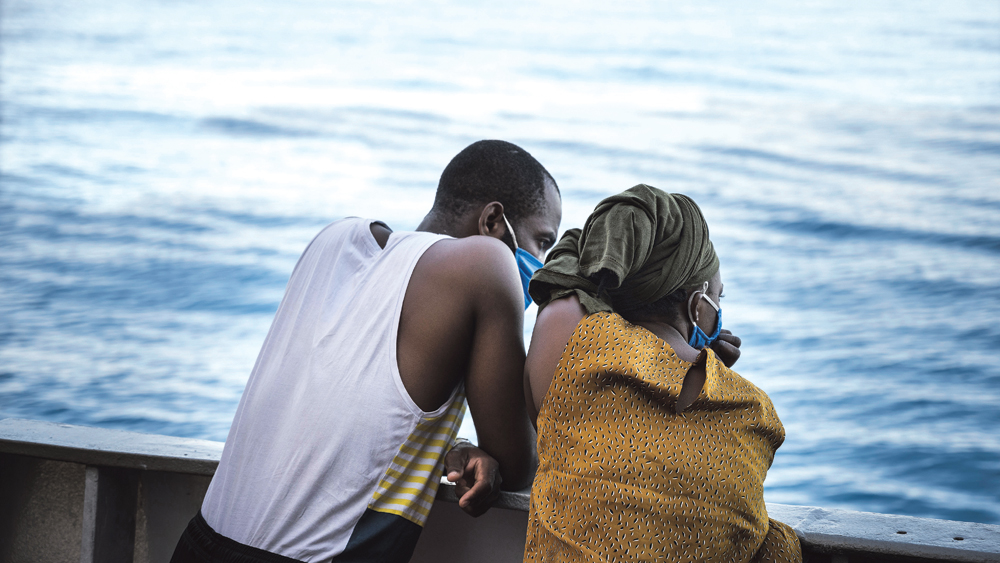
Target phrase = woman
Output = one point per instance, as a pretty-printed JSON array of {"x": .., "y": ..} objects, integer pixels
[{"x": 650, "y": 448}]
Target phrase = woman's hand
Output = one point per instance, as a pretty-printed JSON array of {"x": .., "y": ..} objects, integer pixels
[{"x": 727, "y": 347}]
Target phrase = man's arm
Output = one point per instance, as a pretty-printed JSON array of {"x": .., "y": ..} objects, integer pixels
[
  {"x": 494, "y": 381},
  {"x": 462, "y": 320}
]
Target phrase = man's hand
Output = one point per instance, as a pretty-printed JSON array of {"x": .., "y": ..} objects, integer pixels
[
  {"x": 476, "y": 476},
  {"x": 727, "y": 347}
]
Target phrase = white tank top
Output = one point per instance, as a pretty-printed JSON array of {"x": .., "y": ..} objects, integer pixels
[{"x": 325, "y": 428}]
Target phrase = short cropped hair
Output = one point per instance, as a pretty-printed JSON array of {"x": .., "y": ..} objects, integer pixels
[{"x": 488, "y": 171}]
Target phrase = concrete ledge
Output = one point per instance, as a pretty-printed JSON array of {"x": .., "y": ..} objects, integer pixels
[
  {"x": 822, "y": 531},
  {"x": 109, "y": 448},
  {"x": 516, "y": 500},
  {"x": 846, "y": 532}
]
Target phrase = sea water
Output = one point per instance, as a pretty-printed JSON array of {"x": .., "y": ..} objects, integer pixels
[{"x": 164, "y": 163}]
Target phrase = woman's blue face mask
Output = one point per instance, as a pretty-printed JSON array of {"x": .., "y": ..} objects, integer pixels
[
  {"x": 698, "y": 338},
  {"x": 526, "y": 263}
]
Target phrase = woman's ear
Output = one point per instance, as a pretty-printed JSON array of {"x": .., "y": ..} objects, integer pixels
[
  {"x": 692, "y": 306},
  {"x": 491, "y": 221}
]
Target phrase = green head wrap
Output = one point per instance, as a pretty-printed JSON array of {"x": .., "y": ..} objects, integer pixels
[{"x": 650, "y": 242}]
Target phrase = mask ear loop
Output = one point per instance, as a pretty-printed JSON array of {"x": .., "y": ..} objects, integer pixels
[
  {"x": 704, "y": 289},
  {"x": 690, "y": 301},
  {"x": 513, "y": 236},
  {"x": 704, "y": 295}
]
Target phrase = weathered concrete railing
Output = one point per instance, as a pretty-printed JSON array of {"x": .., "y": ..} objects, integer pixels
[{"x": 72, "y": 493}]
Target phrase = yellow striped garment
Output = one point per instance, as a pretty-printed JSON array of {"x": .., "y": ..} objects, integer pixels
[{"x": 408, "y": 487}]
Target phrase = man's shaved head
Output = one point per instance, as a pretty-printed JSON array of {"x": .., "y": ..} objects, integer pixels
[{"x": 488, "y": 171}]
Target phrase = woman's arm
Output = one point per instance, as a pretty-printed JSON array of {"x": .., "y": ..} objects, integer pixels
[{"x": 553, "y": 329}]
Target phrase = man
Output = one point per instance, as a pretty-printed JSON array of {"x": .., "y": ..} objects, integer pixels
[{"x": 337, "y": 446}]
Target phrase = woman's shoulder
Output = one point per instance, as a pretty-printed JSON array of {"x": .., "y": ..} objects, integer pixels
[
  {"x": 730, "y": 383},
  {"x": 726, "y": 386},
  {"x": 605, "y": 323}
]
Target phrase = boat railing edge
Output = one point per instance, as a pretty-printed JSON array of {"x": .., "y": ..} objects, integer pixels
[{"x": 105, "y": 452}]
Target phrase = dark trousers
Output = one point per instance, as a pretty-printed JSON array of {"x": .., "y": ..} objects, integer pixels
[
  {"x": 201, "y": 544},
  {"x": 377, "y": 537}
]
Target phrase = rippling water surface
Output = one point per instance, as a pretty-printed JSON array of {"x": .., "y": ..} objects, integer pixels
[{"x": 164, "y": 163}]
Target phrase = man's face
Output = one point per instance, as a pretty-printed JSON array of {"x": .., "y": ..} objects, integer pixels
[{"x": 536, "y": 233}]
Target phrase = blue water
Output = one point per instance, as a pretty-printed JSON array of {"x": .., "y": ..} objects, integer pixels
[{"x": 163, "y": 164}]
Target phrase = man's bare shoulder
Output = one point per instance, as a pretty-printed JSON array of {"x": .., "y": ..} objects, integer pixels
[
  {"x": 475, "y": 256},
  {"x": 479, "y": 268}
]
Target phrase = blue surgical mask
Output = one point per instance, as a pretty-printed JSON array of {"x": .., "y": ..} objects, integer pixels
[
  {"x": 526, "y": 263},
  {"x": 698, "y": 338},
  {"x": 526, "y": 266}
]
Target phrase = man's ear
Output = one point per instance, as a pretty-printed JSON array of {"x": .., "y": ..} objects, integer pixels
[{"x": 491, "y": 221}]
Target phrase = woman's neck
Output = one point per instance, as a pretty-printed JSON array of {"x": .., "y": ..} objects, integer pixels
[{"x": 673, "y": 336}]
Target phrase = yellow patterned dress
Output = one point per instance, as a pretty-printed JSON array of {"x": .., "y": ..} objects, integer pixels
[{"x": 623, "y": 477}]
